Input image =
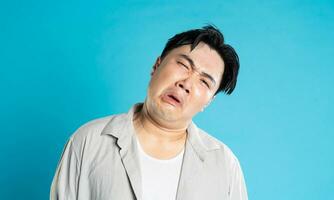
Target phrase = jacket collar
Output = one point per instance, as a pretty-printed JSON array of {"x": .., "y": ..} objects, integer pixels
[
  {"x": 121, "y": 127},
  {"x": 196, "y": 147}
]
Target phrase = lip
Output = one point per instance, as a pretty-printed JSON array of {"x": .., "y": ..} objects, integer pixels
[{"x": 173, "y": 98}]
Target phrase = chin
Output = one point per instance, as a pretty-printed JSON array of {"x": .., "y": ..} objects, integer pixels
[{"x": 165, "y": 112}]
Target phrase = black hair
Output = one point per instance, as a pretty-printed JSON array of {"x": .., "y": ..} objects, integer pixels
[{"x": 211, "y": 36}]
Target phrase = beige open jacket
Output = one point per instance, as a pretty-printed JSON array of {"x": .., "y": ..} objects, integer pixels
[{"x": 100, "y": 162}]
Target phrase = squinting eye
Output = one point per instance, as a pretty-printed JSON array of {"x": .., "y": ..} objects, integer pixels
[
  {"x": 185, "y": 66},
  {"x": 206, "y": 83}
]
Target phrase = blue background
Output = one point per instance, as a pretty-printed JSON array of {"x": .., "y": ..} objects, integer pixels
[{"x": 64, "y": 63}]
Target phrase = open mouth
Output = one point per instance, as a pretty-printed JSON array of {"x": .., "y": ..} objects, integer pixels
[
  {"x": 175, "y": 98},
  {"x": 172, "y": 99}
]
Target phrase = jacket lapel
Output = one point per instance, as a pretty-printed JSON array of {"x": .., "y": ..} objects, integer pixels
[
  {"x": 122, "y": 128},
  {"x": 131, "y": 164},
  {"x": 193, "y": 161}
]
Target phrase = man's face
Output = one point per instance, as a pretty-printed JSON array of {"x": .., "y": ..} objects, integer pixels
[{"x": 184, "y": 82}]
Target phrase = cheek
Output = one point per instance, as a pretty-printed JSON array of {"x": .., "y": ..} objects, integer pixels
[
  {"x": 201, "y": 93},
  {"x": 161, "y": 80},
  {"x": 200, "y": 98},
  {"x": 169, "y": 74}
]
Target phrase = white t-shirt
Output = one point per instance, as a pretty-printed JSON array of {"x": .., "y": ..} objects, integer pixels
[{"x": 159, "y": 177}]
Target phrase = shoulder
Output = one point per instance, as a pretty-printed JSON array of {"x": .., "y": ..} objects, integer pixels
[
  {"x": 226, "y": 164},
  {"x": 93, "y": 126},
  {"x": 89, "y": 133},
  {"x": 218, "y": 147}
]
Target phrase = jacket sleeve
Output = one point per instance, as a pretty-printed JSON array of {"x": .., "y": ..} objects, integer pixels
[
  {"x": 65, "y": 182},
  {"x": 237, "y": 189}
]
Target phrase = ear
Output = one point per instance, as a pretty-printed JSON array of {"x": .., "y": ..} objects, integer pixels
[{"x": 156, "y": 65}]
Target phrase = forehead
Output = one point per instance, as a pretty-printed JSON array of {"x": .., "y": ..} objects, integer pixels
[{"x": 205, "y": 58}]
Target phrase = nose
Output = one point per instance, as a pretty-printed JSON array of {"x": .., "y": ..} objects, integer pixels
[{"x": 185, "y": 85}]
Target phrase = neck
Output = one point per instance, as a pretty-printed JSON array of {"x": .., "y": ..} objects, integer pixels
[{"x": 148, "y": 126}]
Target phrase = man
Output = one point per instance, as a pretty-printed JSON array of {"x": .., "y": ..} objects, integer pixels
[{"x": 155, "y": 151}]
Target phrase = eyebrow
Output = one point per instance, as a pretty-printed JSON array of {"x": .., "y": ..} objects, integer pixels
[{"x": 191, "y": 62}]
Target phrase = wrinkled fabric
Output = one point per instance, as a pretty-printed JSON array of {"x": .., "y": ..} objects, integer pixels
[{"x": 100, "y": 162}]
